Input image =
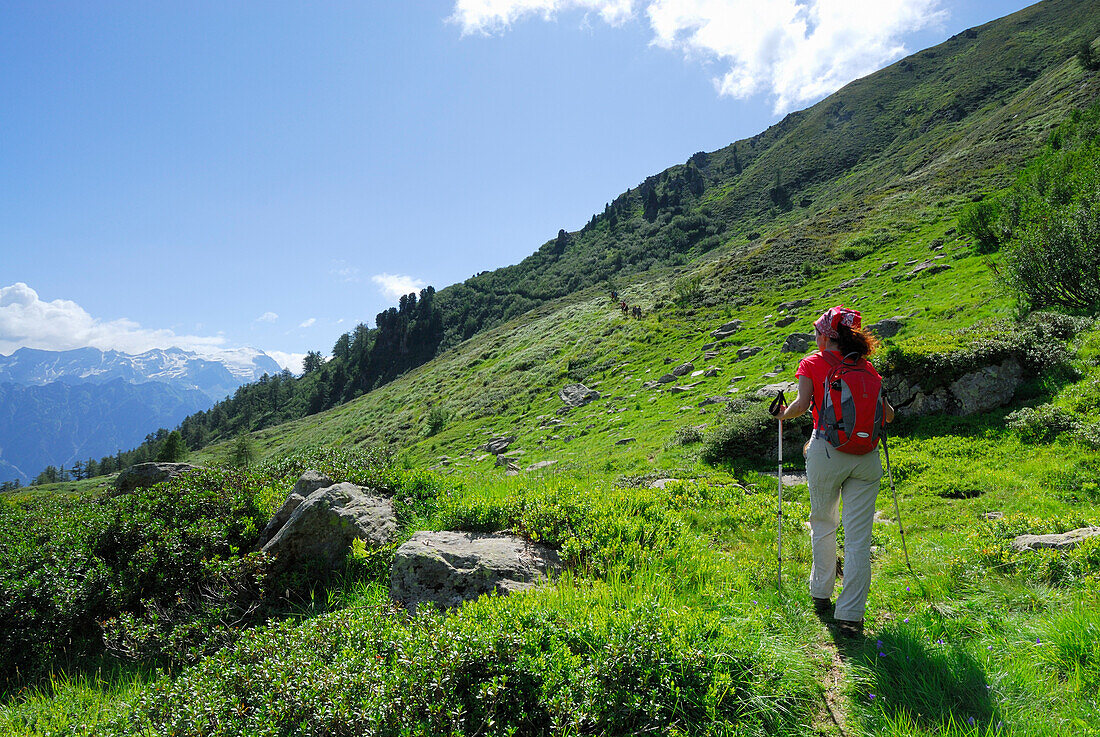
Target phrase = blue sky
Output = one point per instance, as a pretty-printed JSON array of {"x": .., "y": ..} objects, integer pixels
[{"x": 215, "y": 175}]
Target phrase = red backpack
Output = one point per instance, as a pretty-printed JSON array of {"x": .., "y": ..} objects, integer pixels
[{"x": 851, "y": 414}]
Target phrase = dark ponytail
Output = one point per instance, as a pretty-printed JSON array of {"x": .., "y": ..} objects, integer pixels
[{"x": 855, "y": 341}]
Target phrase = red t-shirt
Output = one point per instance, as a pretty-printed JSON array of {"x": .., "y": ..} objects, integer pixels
[{"x": 816, "y": 367}]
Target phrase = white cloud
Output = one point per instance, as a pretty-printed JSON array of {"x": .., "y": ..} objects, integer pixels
[
  {"x": 289, "y": 361},
  {"x": 307, "y": 323},
  {"x": 267, "y": 317},
  {"x": 488, "y": 16},
  {"x": 61, "y": 324},
  {"x": 396, "y": 286},
  {"x": 796, "y": 51}
]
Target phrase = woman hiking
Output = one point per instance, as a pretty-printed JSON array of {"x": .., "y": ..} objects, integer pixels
[{"x": 842, "y": 461}]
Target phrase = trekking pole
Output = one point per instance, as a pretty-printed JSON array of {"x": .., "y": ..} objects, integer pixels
[
  {"x": 777, "y": 405},
  {"x": 897, "y": 509}
]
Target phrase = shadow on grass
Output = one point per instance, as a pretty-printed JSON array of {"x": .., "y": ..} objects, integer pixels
[{"x": 931, "y": 684}]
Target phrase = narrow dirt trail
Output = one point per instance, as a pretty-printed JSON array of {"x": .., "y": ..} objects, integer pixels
[{"x": 830, "y": 718}]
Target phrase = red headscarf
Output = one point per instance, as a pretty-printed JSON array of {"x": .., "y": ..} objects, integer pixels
[{"x": 834, "y": 317}]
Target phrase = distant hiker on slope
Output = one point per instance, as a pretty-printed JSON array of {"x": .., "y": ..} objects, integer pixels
[{"x": 842, "y": 459}]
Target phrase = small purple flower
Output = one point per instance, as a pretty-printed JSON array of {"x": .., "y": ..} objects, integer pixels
[
  {"x": 906, "y": 588},
  {"x": 872, "y": 697},
  {"x": 754, "y": 601},
  {"x": 879, "y": 643},
  {"x": 907, "y": 620},
  {"x": 882, "y": 655},
  {"x": 1037, "y": 642},
  {"x": 989, "y": 647},
  {"x": 970, "y": 721}
]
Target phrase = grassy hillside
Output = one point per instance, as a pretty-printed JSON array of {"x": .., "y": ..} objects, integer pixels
[{"x": 900, "y": 149}]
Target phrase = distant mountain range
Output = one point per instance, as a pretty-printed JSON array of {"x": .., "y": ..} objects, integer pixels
[{"x": 58, "y": 407}]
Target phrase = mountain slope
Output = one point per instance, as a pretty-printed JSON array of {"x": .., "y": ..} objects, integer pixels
[{"x": 60, "y": 423}]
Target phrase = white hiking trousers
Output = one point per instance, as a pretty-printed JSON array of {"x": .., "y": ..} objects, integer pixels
[{"x": 832, "y": 476}]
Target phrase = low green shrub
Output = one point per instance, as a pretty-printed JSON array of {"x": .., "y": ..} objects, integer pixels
[
  {"x": 517, "y": 665},
  {"x": 1041, "y": 424},
  {"x": 746, "y": 433}
]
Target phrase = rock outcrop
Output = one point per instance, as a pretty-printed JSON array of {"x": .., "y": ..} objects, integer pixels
[
  {"x": 887, "y": 328},
  {"x": 447, "y": 568},
  {"x": 322, "y": 526},
  {"x": 144, "y": 475},
  {"x": 496, "y": 446},
  {"x": 984, "y": 389}
]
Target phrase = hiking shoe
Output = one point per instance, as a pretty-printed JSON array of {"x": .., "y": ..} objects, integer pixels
[
  {"x": 823, "y": 607},
  {"x": 848, "y": 629}
]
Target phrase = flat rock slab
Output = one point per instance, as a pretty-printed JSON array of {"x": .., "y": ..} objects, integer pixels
[
  {"x": 144, "y": 475},
  {"x": 577, "y": 395},
  {"x": 540, "y": 465},
  {"x": 683, "y": 369},
  {"x": 496, "y": 446},
  {"x": 1063, "y": 541},
  {"x": 322, "y": 527},
  {"x": 448, "y": 568},
  {"x": 770, "y": 390},
  {"x": 797, "y": 343}
]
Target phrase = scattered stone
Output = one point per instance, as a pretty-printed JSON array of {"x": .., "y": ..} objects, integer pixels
[
  {"x": 887, "y": 328},
  {"x": 144, "y": 475},
  {"x": 710, "y": 355},
  {"x": 770, "y": 390},
  {"x": 577, "y": 395},
  {"x": 785, "y": 321},
  {"x": 736, "y": 379},
  {"x": 727, "y": 330},
  {"x": 652, "y": 384},
  {"x": 771, "y": 374},
  {"x": 797, "y": 343},
  {"x": 882, "y": 519},
  {"x": 323, "y": 525},
  {"x": 661, "y": 483},
  {"x": 667, "y": 360},
  {"x": 540, "y": 465},
  {"x": 445, "y": 569},
  {"x": 683, "y": 369},
  {"x": 714, "y": 400},
  {"x": 888, "y": 265},
  {"x": 792, "y": 478},
  {"x": 794, "y": 305},
  {"x": 748, "y": 352},
  {"x": 709, "y": 346},
  {"x": 1064, "y": 541},
  {"x": 696, "y": 373},
  {"x": 496, "y": 446},
  {"x": 990, "y": 516},
  {"x": 683, "y": 388},
  {"x": 666, "y": 379},
  {"x": 711, "y": 372},
  {"x": 624, "y": 441}
]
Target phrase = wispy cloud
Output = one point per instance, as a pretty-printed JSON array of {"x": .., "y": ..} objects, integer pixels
[
  {"x": 796, "y": 51},
  {"x": 267, "y": 317},
  {"x": 307, "y": 323},
  {"x": 396, "y": 286},
  {"x": 61, "y": 324},
  {"x": 344, "y": 271}
]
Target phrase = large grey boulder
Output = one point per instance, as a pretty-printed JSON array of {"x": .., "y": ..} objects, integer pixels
[
  {"x": 1063, "y": 541},
  {"x": 322, "y": 527},
  {"x": 797, "y": 343},
  {"x": 144, "y": 475},
  {"x": 577, "y": 395},
  {"x": 448, "y": 568},
  {"x": 309, "y": 482}
]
